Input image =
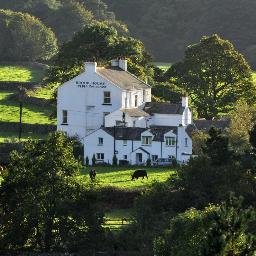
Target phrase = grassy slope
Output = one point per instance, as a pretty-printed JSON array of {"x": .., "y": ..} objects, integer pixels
[
  {"x": 9, "y": 111},
  {"x": 121, "y": 177},
  {"x": 20, "y": 74}
]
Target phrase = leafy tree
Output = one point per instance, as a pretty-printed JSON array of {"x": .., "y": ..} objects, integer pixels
[
  {"x": 42, "y": 204},
  {"x": 93, "y": 160},
  {"x": 25, "y": 38},
  {"x": 215, "y": 75},
  {"x": 240, "y": 126},
  {"x": 186, "y": 234},
  {"x": 230, "y": 232},
  {"x": 217, "y": 147},
  {"x": 199, "y": 139},
  {"x": 97, "y": 42},
  {"x": 87, "y": 161}
]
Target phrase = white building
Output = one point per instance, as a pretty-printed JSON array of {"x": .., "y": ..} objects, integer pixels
[{"x": 111, "y": 111}]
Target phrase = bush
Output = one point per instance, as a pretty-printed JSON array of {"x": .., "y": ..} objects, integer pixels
[
  {"x": 174, "y": 163},
  {"x": 93, "y": 159},
  {"x": 114, "y": 163},
  {"x": 123, "y": 162},
  {"x": 87, "y": 161},
  {"x": 148, "y": 163}
]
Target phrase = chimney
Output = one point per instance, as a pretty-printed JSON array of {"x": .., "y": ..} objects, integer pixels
[
  {"x": 123, "y": 64},
  {"x": 185, "y": 101},
  {"x": 90, "y": 67}
]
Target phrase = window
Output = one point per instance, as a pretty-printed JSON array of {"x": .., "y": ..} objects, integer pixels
[
  {"x": 146, "y": 140},
  {"x": 154, "y": 158},
  {"x": 125, "y": 157},
  {"x": 100, "y": 156},
  {"x": 170, "y": 141},
  {"x": 125, "y": 142},
  {"x": 107, "y": 98},
  {"x": 136, "y": 101},
  {"x": 64, "y": 116},
  {"x": 100, "y": 140},
  {"x": 186, "y": 142}
]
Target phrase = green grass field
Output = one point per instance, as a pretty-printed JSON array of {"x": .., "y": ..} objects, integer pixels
[
  {"x": 121, "y": 177},
  {"x": 13, "y": 137},
  {"x": 20, "y": 74},
  {"x": 9, "y": 111}
]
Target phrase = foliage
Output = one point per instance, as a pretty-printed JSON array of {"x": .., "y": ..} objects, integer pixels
[
  {"x": 199, "y": 139},
  {"x": 230, "y": 232},
  {"x": 215, "y": 76},
  {"x": 87, "y": 161},
  {"x": 42, "y": 204},
  {"x": 115, "y": 160},
  {"x": 241, "y": 123},
  {"x": 148, "y": 162},
  {"x": 97, "y": 42},
  {"x": 186, "y": 234},
  {"x": 93, "y": 160},
  {"x": 25, "y": 38},
  {"x": 167, "y": 27},
  {"x": 217, "y": 147}
]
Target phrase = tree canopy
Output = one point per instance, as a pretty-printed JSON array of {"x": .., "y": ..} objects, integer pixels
[
  {"x": 25, "y": 38},
  {"x": 97, "y": 42},
  {"x": 215, "y": 76}
]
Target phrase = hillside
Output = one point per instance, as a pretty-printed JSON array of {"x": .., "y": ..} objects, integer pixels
[{"x": 176, "y": 24}]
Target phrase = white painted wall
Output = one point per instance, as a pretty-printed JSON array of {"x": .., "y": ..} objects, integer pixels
[{"x": 130, "y": 149}]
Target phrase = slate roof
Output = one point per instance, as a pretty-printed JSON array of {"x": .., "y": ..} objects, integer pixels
[
  {"x": 135, "y": 112},
  {"x": 122, "y": 78},
  {"x": 163, "y": 108},
  {"x": 134, "y": 133},
  {"x": 205, "y": 125}
]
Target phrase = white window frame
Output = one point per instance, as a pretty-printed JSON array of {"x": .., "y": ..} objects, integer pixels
[
  {"x": 100, "y": 141},
  {"x": 125, "y": 142},
  {"x": 146, "y": 140},
  {"x": 100, "y": 156},
  {"x": 107, "y": 98},
  {"x": 154, "y": 158},
  {"x": 64, "y": 116},
  {"x": 170, "y": 141},
  {"x": 125, "y": 157}
]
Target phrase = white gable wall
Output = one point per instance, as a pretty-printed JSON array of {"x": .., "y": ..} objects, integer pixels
[{"x": 83, "y": 98}]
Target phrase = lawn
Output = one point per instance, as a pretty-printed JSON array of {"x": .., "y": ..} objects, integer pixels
[
  {"x": 163, "y": 65},
  {"x": 20, "y": 74},
  {"x": 42, "y": 92},
  {"x": 13, "y": 137},
  {"x": 121, "y": 177},
  {"x": 32, "y": 114}
]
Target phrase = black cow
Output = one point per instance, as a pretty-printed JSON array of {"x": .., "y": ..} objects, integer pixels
[
  {"x": 139, "y": 173},
  {"x": 92, "y": 175}
]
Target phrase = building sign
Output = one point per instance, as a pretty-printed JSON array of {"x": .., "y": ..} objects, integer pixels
[{"x": 81, "y": 84}]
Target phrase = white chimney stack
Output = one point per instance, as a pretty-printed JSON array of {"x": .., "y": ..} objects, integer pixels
[
  {"x": 90, "y": 67},
  {"x": 185, "y": 101},
  {"x": 123, "y": 64}
]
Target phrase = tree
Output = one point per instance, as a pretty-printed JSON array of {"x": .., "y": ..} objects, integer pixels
[
  {"x": 199, "y": 139},
  {"x": 215, "y": 76},
  {"x": 115, "y": 160},
  {"x": 101, "y": 43},
  {"x": 42, "y": 204},
  {"x": 25, "y": 38},
  {"x": 240, "y": 126},
  {"x": 217, "y": 147},
  {"x": 230, "y": 232}
]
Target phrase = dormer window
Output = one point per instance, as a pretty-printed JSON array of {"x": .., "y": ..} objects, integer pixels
[
  {"x": 107, "y": 98},
  {"x": 170, "y": 141},
  {"x": 146, "y": 140}
]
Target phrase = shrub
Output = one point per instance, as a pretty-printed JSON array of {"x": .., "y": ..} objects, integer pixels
[
  {"x": 148, "y": 162},
  {"x": 114, "y": 163},
  {"x": 87, "y": 161},
  {"x": 93, "y": 159}
]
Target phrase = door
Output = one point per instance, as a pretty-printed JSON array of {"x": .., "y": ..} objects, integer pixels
[{"x": 138, "y": 158}]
